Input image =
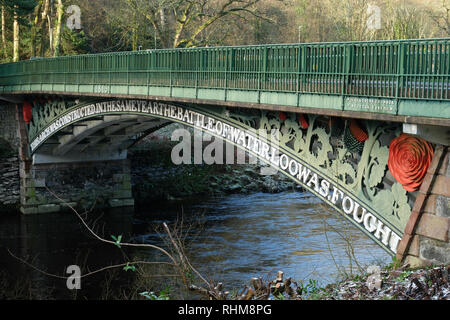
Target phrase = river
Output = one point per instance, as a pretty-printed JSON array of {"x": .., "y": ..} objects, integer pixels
[{"x": 228, "y": 239}]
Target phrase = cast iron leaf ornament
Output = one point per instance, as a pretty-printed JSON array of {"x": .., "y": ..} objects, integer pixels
[
  {"x": 409, "y": 159},
  {"x": 394, "y": 203}
]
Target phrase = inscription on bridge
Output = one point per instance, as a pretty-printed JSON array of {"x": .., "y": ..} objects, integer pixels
[
  {"x": 247, "y": 138},
  {"x": 370, "y": 105}
]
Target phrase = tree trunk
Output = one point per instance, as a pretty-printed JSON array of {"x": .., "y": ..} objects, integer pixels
[
  {"x": 164, "y": 29},
  {"x": 34, "y": 29},
  {"x": 5, "y": 52},
  {"x": 134, "y": 39},
  {"x": 134, "y": 30},
  {"x": 50, "y": 33},
  {"x": 42, "y": 26},
  {"x": 16, "y": 36},
  {"x": 58, "y": 29}
]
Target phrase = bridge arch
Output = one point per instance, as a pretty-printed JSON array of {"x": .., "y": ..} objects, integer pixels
[{"x": 323, "y": 155}]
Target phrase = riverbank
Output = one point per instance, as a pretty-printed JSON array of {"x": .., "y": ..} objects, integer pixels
[
  {"x": 401, "y": 284},
  {"x": 432, "y": 283}
]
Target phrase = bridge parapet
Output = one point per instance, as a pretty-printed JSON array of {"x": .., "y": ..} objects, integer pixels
[{"x": 404, "y": 79}]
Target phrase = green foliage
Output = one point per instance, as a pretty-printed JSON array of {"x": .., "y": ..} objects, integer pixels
[
  {"x": 163, "y": 295},
  {"x": 21, "y": 7},
  {"x": 117, "y": 240},
  {"x": 279, "y": 296},
  {"x": 74, "y": 43},
  {"x": 405, "y": 274},
  {"x": 358, "y": 277},
  {"x": 189, "y": 275},
  {"x": 311, "y": 289},
  {"x": 393, "y": 265},
  {"x": 129, "y": 267}
]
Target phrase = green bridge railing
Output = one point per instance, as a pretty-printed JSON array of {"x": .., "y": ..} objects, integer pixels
[{"x": 322, "y": 75}]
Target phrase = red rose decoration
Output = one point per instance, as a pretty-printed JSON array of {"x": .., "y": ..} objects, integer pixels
[
  {"x": 27, "y": 112},
  {"x": 282, "y": 116},
  {"x": 357, "y": 131},
  {"x": 303, "y": 122},
  {"x": 409, "y": 159}
]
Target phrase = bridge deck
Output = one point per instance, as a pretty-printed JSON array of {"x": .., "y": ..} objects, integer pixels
[{"x": 409, "y": 78}]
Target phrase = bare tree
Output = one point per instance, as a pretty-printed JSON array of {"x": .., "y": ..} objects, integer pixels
[
  {"x": 16, "y": 35},
  {"x": 34, "y": 27},
  {"x": 181, "y": 23},
  {"x": 5, "y": 52},
  {"x": 441, "y": 17},
  {"x": 404, "y": 20},
  {"x": 58, "y": 28}
]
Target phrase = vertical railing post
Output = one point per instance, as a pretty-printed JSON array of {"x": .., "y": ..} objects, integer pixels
[
  {"x": 171, "y": 59},
  {"x": 400, "y": 72},
  {"x": 300, "y": 66},
  {"x": 227, "y": 62},
  {"x": 233, "y": 65},
  {"x": 261, "y": 71},
  {"x": 149, "y": 64},
  {"x": 200, "y": 66},
  {"x": 304, "y": 64},
  {"x": 78, "y": 74},
  {"x": 348, "y": 55},
  {"x": 266, "y": 66},
  {"x": 434, "y": 70},
  {"x": 52, "y": 75},
  {"x": 95, "y": 77},
  {"x": 128, "y": 73},
  {"x": 66, "y": 71},
  {"x": 110, "y": 67},
  {"x": 30, "y": 77}
]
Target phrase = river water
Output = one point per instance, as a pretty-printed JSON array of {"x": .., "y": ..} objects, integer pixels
[{"x": 229, "y": 239}]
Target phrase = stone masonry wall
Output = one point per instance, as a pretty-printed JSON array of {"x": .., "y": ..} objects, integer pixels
[
  {"x": 8, "y": 124},
  {"x": 427, "y": 234},
  {"x": 29, "y": 187},
  {"x": 50, "y": 188},
  {"x": 9, "y": 161},
  {"x": 9, "y": 183}
]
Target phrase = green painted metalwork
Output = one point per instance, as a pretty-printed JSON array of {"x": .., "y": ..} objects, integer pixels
[
  {"x": 398, "y": 77},
  {"x": 354, "y": 181},
  {"x": 362, "y": 173}
]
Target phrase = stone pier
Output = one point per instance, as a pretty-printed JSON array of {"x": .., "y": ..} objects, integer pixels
[
  {"x": 9, "y": 161},
  {"x": 45, "y": 188},
  {"x": 57, "y": 187},
  {"x": 427, "y": 234}
]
